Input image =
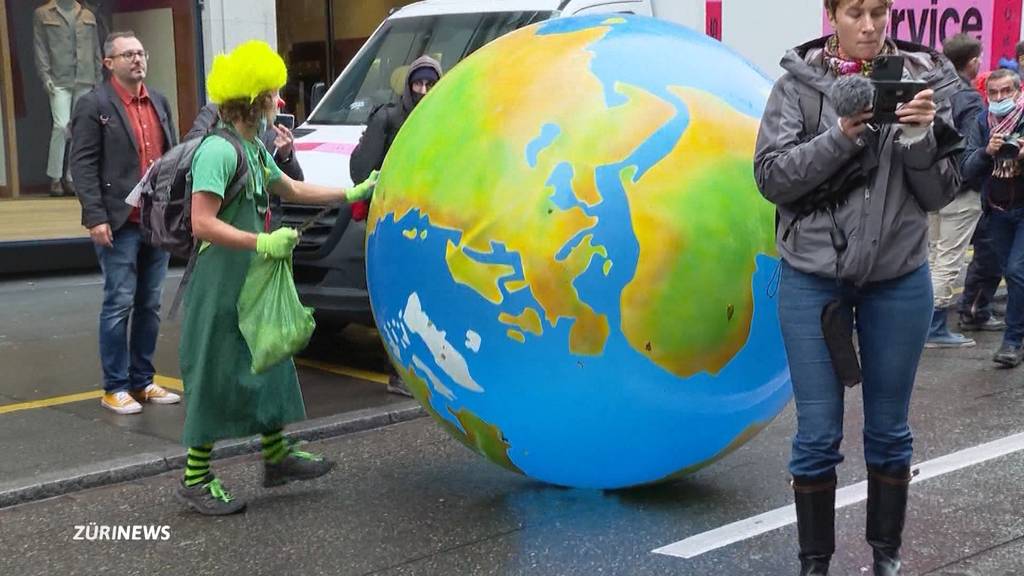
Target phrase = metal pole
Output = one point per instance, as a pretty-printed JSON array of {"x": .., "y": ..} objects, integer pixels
[
  {"x": 329, "y": 9},
  {"x": 200, "y": 52}
]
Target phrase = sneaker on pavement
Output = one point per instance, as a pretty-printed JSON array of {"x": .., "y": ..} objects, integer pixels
[
  {"x": 209, "y": 498},
  {"x": 1009, "y": 355},
  {"x": 397, "y": 386},
  {"x": 992, "y": 324},
  {"x": 121, "y": 403},
  {"x": 949, "y": 340},
  {"x": 155, "y": 394},
  {"x": 297, "y": 465}
]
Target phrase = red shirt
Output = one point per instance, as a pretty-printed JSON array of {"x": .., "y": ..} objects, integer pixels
[{"x": 145, "y": 124}]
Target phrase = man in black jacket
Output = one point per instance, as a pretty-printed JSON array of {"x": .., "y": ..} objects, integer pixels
[{"x": 117, "y": 132}]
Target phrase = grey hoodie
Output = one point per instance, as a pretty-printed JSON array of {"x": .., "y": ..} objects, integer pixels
[{"x": 886, "y": 224}]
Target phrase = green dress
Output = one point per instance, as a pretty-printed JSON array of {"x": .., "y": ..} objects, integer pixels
[{"x": 223, "y": 399}]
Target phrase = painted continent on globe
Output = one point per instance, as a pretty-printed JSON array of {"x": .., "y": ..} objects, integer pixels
[{"x": 568, "y": 258}]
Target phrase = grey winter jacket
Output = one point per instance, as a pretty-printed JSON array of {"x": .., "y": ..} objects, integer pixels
[{"x": 886, "y": 224}]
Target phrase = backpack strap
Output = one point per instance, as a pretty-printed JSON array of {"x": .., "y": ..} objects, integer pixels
[
  {"x": 238, "y": 182},
  {"x": 811, "y": 102}
]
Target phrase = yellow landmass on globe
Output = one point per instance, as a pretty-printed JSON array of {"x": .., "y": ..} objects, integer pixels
[
  {"x": 700, "y": 221},
  {"x": 504, "y": 109},
  {"x": 528, "y": 321},
  {"x": 480, "y": 276}
]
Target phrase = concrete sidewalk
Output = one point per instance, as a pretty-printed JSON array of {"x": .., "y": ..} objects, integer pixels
[{"x": 55, "y": 437}]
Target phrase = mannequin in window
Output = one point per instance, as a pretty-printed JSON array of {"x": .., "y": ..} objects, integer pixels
[{"x": 67, "y": 55}]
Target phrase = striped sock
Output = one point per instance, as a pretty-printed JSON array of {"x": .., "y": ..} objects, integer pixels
[
  {"x": 274, "y": 447},
  {"x": 197, "y": 466}
]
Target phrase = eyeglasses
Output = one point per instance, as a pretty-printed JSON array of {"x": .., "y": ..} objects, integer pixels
[{"x": 132, "y": 55}]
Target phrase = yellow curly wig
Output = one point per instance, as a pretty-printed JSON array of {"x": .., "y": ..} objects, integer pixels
[{"x": 248, "y": 71}]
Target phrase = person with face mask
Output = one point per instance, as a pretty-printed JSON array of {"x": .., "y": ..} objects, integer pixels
[
  {"x": 853, "y": 195},
  {"x": 385, "y": 121},
  {"x": 223, "y": 398},
  {"x": 381, "y": 130},
  {"x": 992, "y": 163}
]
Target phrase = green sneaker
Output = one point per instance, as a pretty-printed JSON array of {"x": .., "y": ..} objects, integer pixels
[
  {"x": 209, "y": 498},
  {"x": 297, "y": 465}
]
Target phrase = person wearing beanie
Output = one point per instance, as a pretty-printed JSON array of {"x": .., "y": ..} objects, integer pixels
[
  {"x": 223, "y": 398},
  {"x": 382, "y": 127},
  {"x": 386, "y": 120}
]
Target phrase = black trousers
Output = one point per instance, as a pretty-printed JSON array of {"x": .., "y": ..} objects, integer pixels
[{"x": 983, "y": 276}]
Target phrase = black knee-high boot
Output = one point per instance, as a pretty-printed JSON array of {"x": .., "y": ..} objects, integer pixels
[
  {"x": 815, "y": 523},
  {"x": 887, "y": 510}
]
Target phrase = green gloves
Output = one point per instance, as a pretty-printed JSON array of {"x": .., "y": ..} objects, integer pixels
[
  {"x": 363, "y": 190},
  {"x": 278, "y": 244}
]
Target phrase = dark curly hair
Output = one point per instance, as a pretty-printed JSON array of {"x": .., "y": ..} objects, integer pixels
[{"x": 245, "y": 112}]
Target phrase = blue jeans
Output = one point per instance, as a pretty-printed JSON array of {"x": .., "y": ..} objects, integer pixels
[
  {"x": 892, "y": 320},
  {"x": 1007, "y": 232},
  {"x": 133, "y": 278}
]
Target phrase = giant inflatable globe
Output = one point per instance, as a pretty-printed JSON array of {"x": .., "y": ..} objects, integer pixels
[{"x": 568, "y": 258}]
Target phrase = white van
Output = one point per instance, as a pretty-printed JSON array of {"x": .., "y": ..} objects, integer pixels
[{"x": 329, "y": 262}]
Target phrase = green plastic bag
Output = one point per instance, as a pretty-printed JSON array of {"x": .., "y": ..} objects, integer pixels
[{"x": 273, "y": 321}]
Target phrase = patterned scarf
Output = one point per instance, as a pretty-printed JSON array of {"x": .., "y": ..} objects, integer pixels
[
  {"x": 1009, "y": 124},
  {"x": 841, "y": 66}
]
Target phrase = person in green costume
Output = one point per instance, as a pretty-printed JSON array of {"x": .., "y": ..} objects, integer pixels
[{"x": 223, "y": 399}]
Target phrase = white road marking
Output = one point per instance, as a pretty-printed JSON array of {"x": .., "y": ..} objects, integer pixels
[{"x": 745, "y": 529}]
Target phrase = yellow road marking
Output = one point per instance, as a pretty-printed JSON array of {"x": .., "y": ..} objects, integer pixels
[
  {"x": 166, "y": 382},
  {"x": 343, "y": 371}
]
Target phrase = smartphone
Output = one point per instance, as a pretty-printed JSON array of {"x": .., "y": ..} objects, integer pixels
[
  {"x": 889, "y": 95},
  {"x": 286, "y": 120}
]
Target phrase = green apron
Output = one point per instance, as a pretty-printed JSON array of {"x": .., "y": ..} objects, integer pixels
[{"x": 223, "y": 399}]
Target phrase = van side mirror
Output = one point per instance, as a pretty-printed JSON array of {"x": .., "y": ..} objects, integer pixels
[{"x": 317, "y": 94}]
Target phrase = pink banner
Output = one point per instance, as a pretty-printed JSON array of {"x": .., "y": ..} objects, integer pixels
[{"x": 929, "y": 22}]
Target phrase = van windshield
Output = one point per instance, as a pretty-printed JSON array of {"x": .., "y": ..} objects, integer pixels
[{"x": 378, "y": 76}]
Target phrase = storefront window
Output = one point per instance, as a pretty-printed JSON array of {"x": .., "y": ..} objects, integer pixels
[
  {"x": 53, "y": 52},
  {"x": 318, "y": 39}
]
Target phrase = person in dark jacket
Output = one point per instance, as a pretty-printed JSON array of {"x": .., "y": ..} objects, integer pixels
[
  {"x": 861, "y": 255},
  {"x": 984, "y": 273},
  {"x": 383, "y": 126},
  {"x": 993, "y": 163},
  {"x": 952, "y": 227},
  {"x": 387, "y": 120},
  {"x": 117, "y": 131}
]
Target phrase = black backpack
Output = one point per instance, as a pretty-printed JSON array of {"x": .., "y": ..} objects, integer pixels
[{"x": 165, "y": 201}]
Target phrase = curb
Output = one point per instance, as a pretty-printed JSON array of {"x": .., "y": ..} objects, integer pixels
[{"x": 155, "y": 463}]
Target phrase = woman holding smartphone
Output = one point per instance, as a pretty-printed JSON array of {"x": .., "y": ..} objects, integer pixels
[{"x": 853, "y": 197}]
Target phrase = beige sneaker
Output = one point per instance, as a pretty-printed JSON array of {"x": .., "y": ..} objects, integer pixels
[
  {"x": 121, "y": 402},
  {"x": 155, "y": 394}
]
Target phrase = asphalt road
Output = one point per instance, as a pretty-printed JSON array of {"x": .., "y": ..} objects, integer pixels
[{"x": 408, "y": 500}]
